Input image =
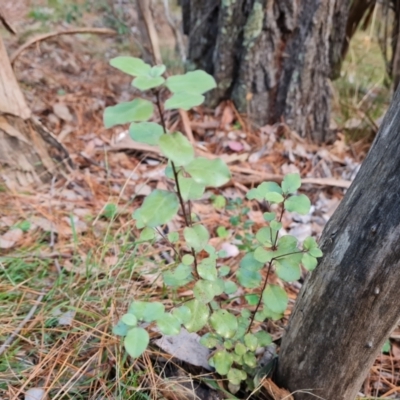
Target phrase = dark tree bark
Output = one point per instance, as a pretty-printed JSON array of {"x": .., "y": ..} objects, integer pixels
[
  {"x": 272, "y": 57},
  {"x": 350, "y": 303}
]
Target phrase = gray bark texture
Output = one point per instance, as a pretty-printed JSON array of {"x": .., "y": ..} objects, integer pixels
[
  {"x": 272, "y": 57},
  {"x": 350, "y": 303}
]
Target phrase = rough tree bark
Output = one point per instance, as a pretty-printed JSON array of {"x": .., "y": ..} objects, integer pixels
[
  {"x": 29, "y": 153},
  {"x": 350, "y": 303},
  {"x": 272, "y": 57}
]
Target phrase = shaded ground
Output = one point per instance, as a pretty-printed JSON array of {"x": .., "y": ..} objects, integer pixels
[{"x": 68, "y": 249}]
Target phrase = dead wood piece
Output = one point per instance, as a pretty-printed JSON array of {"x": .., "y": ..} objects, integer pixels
[{"x": 39, "y": 38}]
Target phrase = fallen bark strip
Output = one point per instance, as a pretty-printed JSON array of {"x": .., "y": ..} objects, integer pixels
[{"x": 40, "y": 38}]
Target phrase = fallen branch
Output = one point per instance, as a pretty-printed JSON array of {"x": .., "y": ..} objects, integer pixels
[{"x": 40, "y": 38}]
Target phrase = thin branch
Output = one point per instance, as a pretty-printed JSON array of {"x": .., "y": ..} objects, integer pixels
[{"x": 40, "y": 38}]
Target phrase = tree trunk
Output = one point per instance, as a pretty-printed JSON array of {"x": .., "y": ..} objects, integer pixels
[
  {"x": 350, "y": 303},
  {"x": 28, "y": 151},
  {"x": 272, "y": 57}
]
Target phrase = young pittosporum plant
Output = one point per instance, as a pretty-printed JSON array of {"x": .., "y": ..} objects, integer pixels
[{"x": 234, "y": 336}]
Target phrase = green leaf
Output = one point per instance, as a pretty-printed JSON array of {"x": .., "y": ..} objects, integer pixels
[
  {"x": 309, "y": 262},
  {"x": 146, "y": 235},
  {"x": 207, "y": 269},
  {"x": 147, "y": 311},
  {"x": 300, "y": 204},
  {"x": 249, "y": 262},
  {"x": 240, "y": 349},
  {"x": 235, "y": 376},
  {"x": 190, "y": 189},
  {"x": 209, "y": 340},
  {"x": 224, "y": 270},
  {"x": 199, "y": 315},
  {"x": 158, "y": 208},
  {"x": 243, "y": 324},
  {"x": 173, "y": 237},
  {"x": 386, "y": 347},
  {"x": 187, "y": 259},
  {"x": 224, "y": 323},
  {"x": 222, "y": 232},
  {"x": 315, "y": 252},
  {"x": 274, "y": 197},
  {"x": 275, "y": 226},
  {"x": 248, "y": 278},
  {"x": 110, "y": 211},
  {"x": 169, "y": 325},
  {"x": 129, "y": 320},
  {"x": 120, "y": 329},
  {"x": 269, "y": 216},
  {"x": 178, "y": 277},
  {"x": 196, "y": 237},
  {"x": 250, "y": 360},
  {"x": 264, "y": 236},
  {"x": 275, "y": 298},
  {"x": 157, "y": 70},
  {"x": 196, "y": 82},
  {"x": 310, "y": 243},
  {"x": 288, "y": 268},
  {"x": 263, "y": 338},
  {"x": 287, "y": 243},
  {"x": 228, "y": 344},
  {"x": 266, "y": 313},
  {"x": 230, "y": 287},
  {"x": 183, "y": 314},
  {"x": 136, "y": 342},
  {"x": 252, "y": 299},
  {"x": 222, "y": 361},
  {"x": 185, "y": 101},
  {"x": 131, "y": 65},
  {"x": 219, "y": 202},
  {"x": 132, "y": 111},
  {"x": 251, "y": 341},
  {"x": 146, "y": 132},
  {"x": 262, "y": 255},
  {"x": 290, "y": 183},
  {"x": 262, "y": 190},
  {"x": 177, "y": 148},
  {"x": 209, "y": 172},
  {"x": 203, "y": 291},
  {"x": 147, "y": 82}
]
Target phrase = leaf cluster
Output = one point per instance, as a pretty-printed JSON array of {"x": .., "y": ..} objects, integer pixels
[{"x": 231, "y": 335}]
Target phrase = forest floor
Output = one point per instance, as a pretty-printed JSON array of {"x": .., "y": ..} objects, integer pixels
[{"x": 69, "y": 265}]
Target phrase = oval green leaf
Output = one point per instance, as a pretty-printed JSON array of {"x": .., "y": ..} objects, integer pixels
[
  {"x": 300, "y": 204},
  {"x": 203, "y": 291},
  {"x": 196, "y": 82},
  {"x": 169, "y": 325},
  {"x": 132, "y": 111},
  {"x": 146, "y": 132},
  {"x": 147, "y": 311},
  {"x": 147, "y": 82},
  {"x": 190, "y": 189},
  {"x": 185, "y": 101},
  {"x": 224, "y": 323},
  {"x": 178, "y": 277},
  {"x": 158, "y": 208},
  {"x": 177, "y": 148},
  {"x": 136, "y": 342},
  {"x": 129, "y": 320},
  {"x": 131, "y": 65},
  {"x": 209, "y": 172},
  {"x": 199, "y": 315},
  {"x": 275, "y": 298},
  {"x": 222, "y": 361},
  {"x": 196, "y": 237},
  {"x": 309, "y": 262},
  {"x": 290, "y": 183}
]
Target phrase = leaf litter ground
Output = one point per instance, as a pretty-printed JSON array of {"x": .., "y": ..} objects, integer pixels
[{"x": 69, "y": 266}]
